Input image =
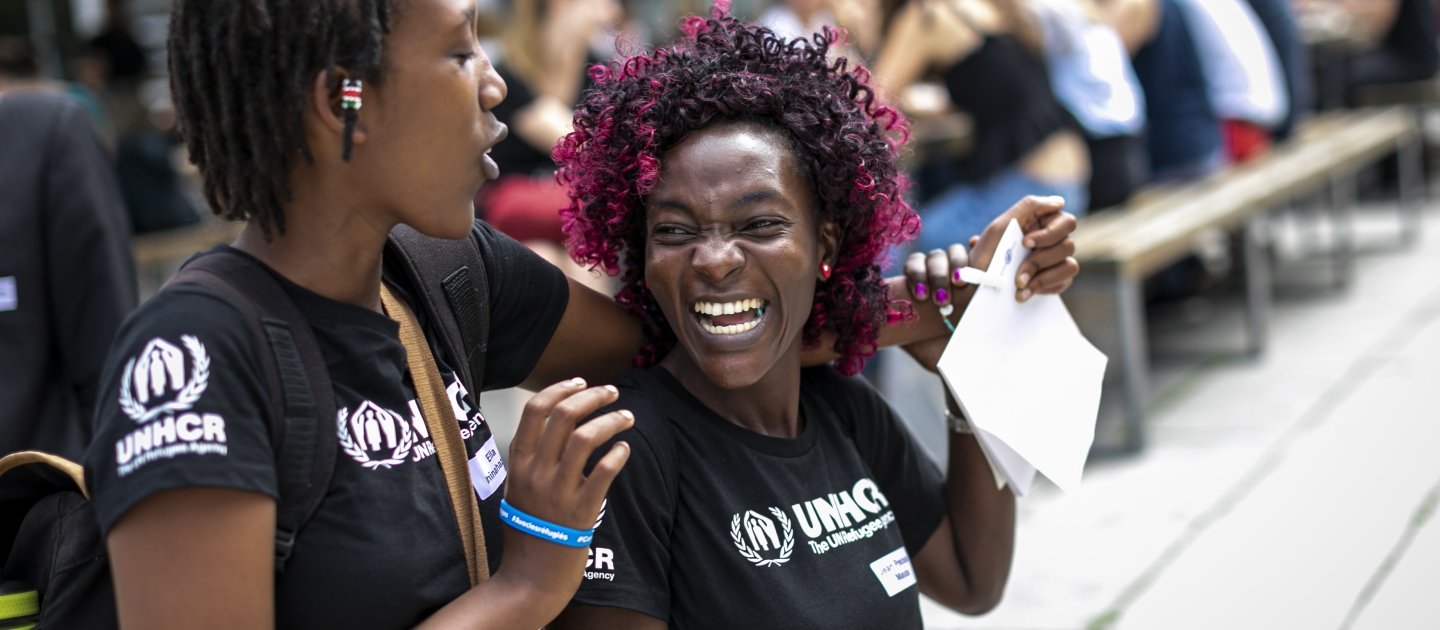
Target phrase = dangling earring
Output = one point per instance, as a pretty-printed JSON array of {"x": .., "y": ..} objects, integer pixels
[
  {"x": 825, "y": 271},
  {"x": 350, "y": 102}
]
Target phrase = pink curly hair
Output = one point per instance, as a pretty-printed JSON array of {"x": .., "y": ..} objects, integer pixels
[{"x": 846, "y": 141}]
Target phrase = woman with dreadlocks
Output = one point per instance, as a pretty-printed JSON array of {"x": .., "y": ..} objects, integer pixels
[
  {"x": 746, "y": 189},
  {"x": 323, "y": 124}
]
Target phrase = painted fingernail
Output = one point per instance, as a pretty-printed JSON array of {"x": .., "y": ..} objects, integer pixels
[
  {"x": 942, "y": 296},
  {"x": 920, "y": 290},
  {"x": 955, "y": 277},
  {"x": 1024, "y": 295},
  {"x": 1023, "y": 280}
]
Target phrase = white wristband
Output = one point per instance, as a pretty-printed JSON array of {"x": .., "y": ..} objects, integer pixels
[{"x": 958, "y": 423}]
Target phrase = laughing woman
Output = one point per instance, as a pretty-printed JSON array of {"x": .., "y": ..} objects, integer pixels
[{"x": 745, "y": 189}]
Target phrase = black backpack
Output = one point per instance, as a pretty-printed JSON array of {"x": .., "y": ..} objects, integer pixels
[{"x": 49, "y": 536}]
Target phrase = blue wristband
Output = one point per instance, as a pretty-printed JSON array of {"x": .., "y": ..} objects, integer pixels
[{"x": 543, "y": 529}]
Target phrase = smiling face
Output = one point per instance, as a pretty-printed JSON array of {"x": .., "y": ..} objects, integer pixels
[
  {"x": 428, "y": 125},
  {"x": 733, "y": 249}
]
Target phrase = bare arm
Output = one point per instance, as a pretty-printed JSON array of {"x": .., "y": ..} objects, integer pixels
[
  {"x": 543, "y": 122},
  {"x": 605, "y": 618},
  {"x": 1134, "y": 21},
  {"x": 966, "y": 563},
  {"x": 595, "y": 340},
  {"x": 1372, "y": 18},
  {"x": 175, "y": 551}
]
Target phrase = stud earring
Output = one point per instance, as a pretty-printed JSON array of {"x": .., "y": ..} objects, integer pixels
[
  {"x": 825, "y": 271},
  {"x": 350, "y": 103}
]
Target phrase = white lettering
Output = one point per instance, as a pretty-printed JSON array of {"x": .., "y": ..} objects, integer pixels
[
  {"x": 600, "y": 558},
  {"x": 164, "y": 431},
  {"x": 805, "y": 515},
  {"x": 829, "y": 516},
  {"x": 124, "y": 450},
  {"x": 169, "y": 436},
  {"x": 418, "y": 421},
  {"x": 423, "y": 450},
  {"x": 214, "y": 428},
  {"x": 458, "y": 406},
  {"x": 847, "y": 508},
  {"x": 188, "y": 427},
  {"x": 869, "y": 496}
]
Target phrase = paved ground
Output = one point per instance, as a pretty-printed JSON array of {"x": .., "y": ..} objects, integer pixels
[{"x": 1293, "y": 490}]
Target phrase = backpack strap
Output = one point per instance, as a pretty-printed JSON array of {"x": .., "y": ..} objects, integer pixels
[
  {"x": 303, "y": 400},
  {"x": 452, "y": 291}
]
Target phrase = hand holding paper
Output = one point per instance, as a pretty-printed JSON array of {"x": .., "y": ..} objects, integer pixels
[{"x": 1025, "y": 418}]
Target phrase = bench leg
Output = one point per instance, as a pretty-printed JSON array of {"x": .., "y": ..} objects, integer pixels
[
  {"x": 1257, "y": 282},
  {"x": 1342, "y": 209},
  {"x": 1134, "y": 353},
  {"x": 1410, "y": 156}
]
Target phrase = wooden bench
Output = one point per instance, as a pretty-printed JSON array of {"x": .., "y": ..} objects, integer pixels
[
  {"x": 159, "y": 254},
  {"x": 1119, "y": 248}
]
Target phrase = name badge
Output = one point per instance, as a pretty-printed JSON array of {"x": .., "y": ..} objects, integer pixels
[
  {"x": 894, "y": 571},
  {"x": 9, "y": 295},
  {"x": 487, "y": 469}
]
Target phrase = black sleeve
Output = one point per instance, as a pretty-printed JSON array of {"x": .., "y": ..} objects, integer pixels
[
  {"x": 528, "y": 297},
  {"x": 183, "y": 403},
  {"x": 907, "y": 476},
  {"x": 89, "y": 268},
  {"x": 630, "y": 557}
]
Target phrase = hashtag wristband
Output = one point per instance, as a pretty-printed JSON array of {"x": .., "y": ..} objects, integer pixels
[{"x": 543, "y": 529}]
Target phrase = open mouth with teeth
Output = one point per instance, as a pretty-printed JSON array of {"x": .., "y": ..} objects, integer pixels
[{"x": 730, "y": 318}]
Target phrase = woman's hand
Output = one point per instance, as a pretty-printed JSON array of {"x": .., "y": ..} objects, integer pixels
[
  {"x": 546, "y": 475},
  {"x": 546, "y": 478},
  {"x": 1051, "y": 267}
]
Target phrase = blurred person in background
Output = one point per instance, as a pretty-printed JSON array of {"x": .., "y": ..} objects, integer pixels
[
  {"x": 1092, "y": 77},
  {"x": 990, "y": 55},
  {"x": 20, "y": 71},
  {"x": 790, "y": 19},
  {"x": 1283, "y": 29},
  {"x": 1242, "y": 73},
  {"x": 67, "y": 276},
  {"x": 1182, "y": 134},
  {"x": 1403, "y": 32},
  {"x": 546, "y": 48}
]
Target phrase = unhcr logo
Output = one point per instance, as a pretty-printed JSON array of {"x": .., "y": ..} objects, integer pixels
[
  {"x": 155, "y": 382},
  {"x": 373, "y": 436},
  {"x": 759, "y": 541}
]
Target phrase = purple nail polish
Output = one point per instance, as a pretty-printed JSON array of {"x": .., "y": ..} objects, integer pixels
[
  {"x": 955, "y": 277},
  {"x": 920, "y": 290},
  {"x": 942, "y": 296}
]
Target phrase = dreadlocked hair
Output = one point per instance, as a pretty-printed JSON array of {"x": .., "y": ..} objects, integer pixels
[
  {"x": 845, "y": 140},
  {"x": 241, "y": 72}
]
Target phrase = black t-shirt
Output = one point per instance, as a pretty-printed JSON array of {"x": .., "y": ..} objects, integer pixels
[
  {"x": 711, "y": 525},
  {"x": 184, "y": 405}
]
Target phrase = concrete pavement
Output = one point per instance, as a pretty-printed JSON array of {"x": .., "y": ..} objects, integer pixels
[{"x": 1293, "y": 490}]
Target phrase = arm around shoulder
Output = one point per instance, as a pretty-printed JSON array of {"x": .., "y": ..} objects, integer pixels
[{"x": 595, "y": 340}]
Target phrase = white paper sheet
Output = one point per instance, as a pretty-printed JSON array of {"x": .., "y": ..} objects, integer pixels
[{"x": 1026, "y": 378}]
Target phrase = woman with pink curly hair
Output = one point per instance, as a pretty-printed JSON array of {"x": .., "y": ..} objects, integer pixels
[{"x": 745, "y": 189}]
